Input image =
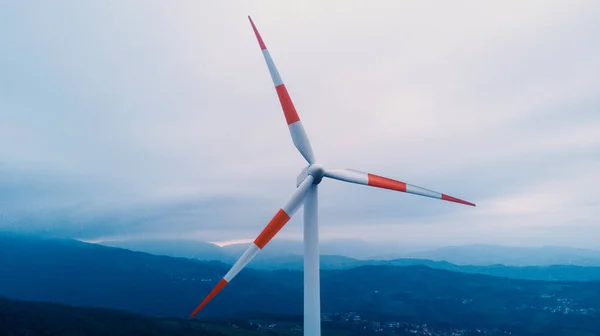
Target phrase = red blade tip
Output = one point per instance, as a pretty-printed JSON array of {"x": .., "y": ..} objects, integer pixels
[
  {"x": 209, "y": 297},
  {"x": 456, "y": 200},
  {"x": 261, "y": 43}
]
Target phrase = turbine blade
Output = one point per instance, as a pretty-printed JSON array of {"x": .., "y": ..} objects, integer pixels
[
  {"x": 355, "y": 176},
  {"x": 299, "y": 136},
  {"x": 277, "y": 222}
]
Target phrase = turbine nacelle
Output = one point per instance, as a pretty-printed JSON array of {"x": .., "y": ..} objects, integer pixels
[{"x": 315, "y": 170}]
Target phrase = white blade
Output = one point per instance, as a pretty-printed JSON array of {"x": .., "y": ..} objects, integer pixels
[
  {"x": 355, "y": 176},
  {"x": 277, "y": 222},
  {"x": 299, "y": 136}
]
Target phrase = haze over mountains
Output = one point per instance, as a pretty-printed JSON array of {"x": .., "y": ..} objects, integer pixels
[
  {"x": 512, "y": 256},
  {"x": 357, "y": 249},
  {"x": 544, "y": 263},
  {"x": 476, "y": 255}
]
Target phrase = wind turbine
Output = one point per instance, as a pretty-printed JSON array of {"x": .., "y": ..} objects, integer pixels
[{"x": 306, "y": 194}]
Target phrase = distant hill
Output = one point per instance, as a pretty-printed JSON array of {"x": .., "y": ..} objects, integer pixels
[
  {"x": 78, "y": 273},
  {"x": 545, "y": 273},
  {"x": 86, "y": 274},
  {"x": 475, "y": 255},
  {"x": 483, "y": 255},
  {"x": 203, "y": 250},
  {"x": 273, "y": 258},
  {"x": 175, "y": 248}
]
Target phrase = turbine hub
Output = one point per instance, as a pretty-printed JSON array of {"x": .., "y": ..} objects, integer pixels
[{"x": 315, "y": 170}]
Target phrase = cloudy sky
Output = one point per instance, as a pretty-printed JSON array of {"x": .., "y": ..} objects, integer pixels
[{"x": 124, "y": 120}]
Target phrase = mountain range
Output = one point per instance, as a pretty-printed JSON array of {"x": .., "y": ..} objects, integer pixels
[
  {"x": 474, "y": 255},
  {"x": 544, "y": 263},
  {"x": 483, "y": 255},
  {"x": 83, "y": 274},
  {"x": 203, "y": 250}
]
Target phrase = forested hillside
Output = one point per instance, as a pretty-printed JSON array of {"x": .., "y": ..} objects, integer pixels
[{"x": 90, "y": 275}]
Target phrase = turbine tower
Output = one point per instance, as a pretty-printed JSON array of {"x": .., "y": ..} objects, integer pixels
[{"x": 307, "y": 194}]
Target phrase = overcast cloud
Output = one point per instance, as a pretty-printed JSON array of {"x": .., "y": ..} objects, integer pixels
[{"x": 159, "y": 118}]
